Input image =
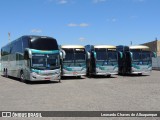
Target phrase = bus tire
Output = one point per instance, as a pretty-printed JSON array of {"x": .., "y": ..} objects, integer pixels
[
  {"x": 123, "y": 72},
  {"x": 139, "y": 74},
  {"x": 87, "y": 73},
  {"x": 59, "y": 80},
  {"x": 108, "y": 76},
  {"x": 22, "y": 77},
  {"x": 6, "y": 73}
]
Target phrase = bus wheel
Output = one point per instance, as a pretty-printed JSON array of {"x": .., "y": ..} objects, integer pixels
[
  {"x": 108, "y": 76},
  {"x": 79, "y": 77},
  {"x": 22, "y": 76},
  {"x": 123, "y": 72},
  {"x": 6, "y": 73},
  {"x": 59, "y": 79},
  {"x": 139, "y": 74}
]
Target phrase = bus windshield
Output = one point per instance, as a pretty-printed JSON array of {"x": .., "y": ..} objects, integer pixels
[
  {"x": 43, "y": 61},
  {"x": 112, "y": 55},
  {"x": 79, "y": 54},
  {"x": 101, "y": 54},
  {"x": 74, "y": 54},
  {"x": 104, "y": 54},
  {"x": 141, "y": 55},
  {"x": 69, "y": 55},
  {"x": 44, "y": 44},
  {"x": 146, "y": 56}
]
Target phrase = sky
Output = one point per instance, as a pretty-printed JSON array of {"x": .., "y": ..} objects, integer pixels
[{"x": 81, "y": 22}]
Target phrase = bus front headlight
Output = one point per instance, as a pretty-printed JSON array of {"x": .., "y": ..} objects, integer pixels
[{"x": 33, "y": 73}]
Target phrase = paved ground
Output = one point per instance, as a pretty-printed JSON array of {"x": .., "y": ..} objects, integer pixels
[{"x": 118, "y": 93}]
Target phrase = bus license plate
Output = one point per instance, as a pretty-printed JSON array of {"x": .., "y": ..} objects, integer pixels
[
  {"x": 74, "y": 73},
  {"x": 47, "y": 78}
]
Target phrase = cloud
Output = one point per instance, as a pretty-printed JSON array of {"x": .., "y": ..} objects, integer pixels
[
  {"x": 98, "y": 1},
  {"x": 72, "y": 25},
  {"x": 133, "y": 17},
  {"x": 78, "y": 25},
  {"x": 139, "y": 0},
  {"x": 83, "y": 25},
  {"x": 62, "y": 1},
  {"x": 112, "y": 20},
  {"x": 36, "y": 31},
  {"x": 82, "y": 39}
]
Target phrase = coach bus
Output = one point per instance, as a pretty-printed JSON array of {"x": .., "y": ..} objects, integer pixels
[
  {"x": 74, "y": 62},
  {"x": 135, "y": 60},
  {"x": 0, "y": 64},
  {"x": 32, "y": 58},
  {"x": 103, "y": 60}
]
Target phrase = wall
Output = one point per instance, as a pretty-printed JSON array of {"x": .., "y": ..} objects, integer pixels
[
  {"x": 154, "y": 46},
  {"x": 156, "y": 63}
]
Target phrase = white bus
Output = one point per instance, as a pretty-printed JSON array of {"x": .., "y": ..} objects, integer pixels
[
  {"x": 74, "y": 63},
  {"x": 136, "y": 59},
  {"x": 103, "y": 60},
  {"x": 32, "y": 58}
]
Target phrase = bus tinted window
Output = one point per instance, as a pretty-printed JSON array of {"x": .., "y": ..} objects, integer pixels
[
  {"x": 101, "y": 54},
  {"x": 146, "y": 56},
  {"x": 69, "y": 55},
  {"x": 136, "y": 55},
  {"x": 16, "y": 46},
  {"x": 44, "y": 44},
  {"x": 79, "y": 54},
  {"x": 112, "y": 55},
  {"x": 6, "y": 50},
  {"x": 25, "y": 42}
]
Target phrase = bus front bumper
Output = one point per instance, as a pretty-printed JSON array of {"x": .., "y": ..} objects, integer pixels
[
  {"x": 37, "y": 77},
  {"x": 141, "y": 71},
  {"x": 74, "y": 73},
  {"x": 106, "y": 72}
]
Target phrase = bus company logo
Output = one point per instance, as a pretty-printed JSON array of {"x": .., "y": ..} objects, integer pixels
[
  {"x": 6, "y": 114},
  {"x": 140, "y": 63}
]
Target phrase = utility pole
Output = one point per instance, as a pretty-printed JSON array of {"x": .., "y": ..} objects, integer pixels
[
  {"x": 9, "y": 34},
  {"x": 156, "y": 39},
  {"x": 131, "y": 42}
]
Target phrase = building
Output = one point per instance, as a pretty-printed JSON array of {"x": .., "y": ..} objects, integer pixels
[{"x": 154, "y": 46}]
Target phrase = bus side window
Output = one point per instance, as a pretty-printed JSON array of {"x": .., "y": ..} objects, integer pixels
[
  {"x": 26, "y": 58},
  {"x": 26, "y": 55}
]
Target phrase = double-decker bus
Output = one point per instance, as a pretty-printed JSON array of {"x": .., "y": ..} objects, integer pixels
[
  {"x": 103, "y": 60},
  {"x": 74, "y": 62},
  {"x": 32, "y": 58},
  {"x": 135, "y": 60}
]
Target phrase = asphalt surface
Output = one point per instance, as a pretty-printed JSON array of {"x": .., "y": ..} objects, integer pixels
[{"x": 118, "y": 93}]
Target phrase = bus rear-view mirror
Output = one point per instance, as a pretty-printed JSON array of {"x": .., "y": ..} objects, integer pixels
[
  {"x": 95, "y": 55},
  {"x": 62, "y": 54},
  {"x": 88, "y": 55},
  {"x": 153, "y": 54},
  {"x": 121, "y": 55}
]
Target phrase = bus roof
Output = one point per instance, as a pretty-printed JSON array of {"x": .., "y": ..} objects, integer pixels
[
  {"x": 30, "y": 36},
  {"x": 104, "y": 46},
  {"x": 143, "y": 47},
  {"x": 72, "y": 46}
]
